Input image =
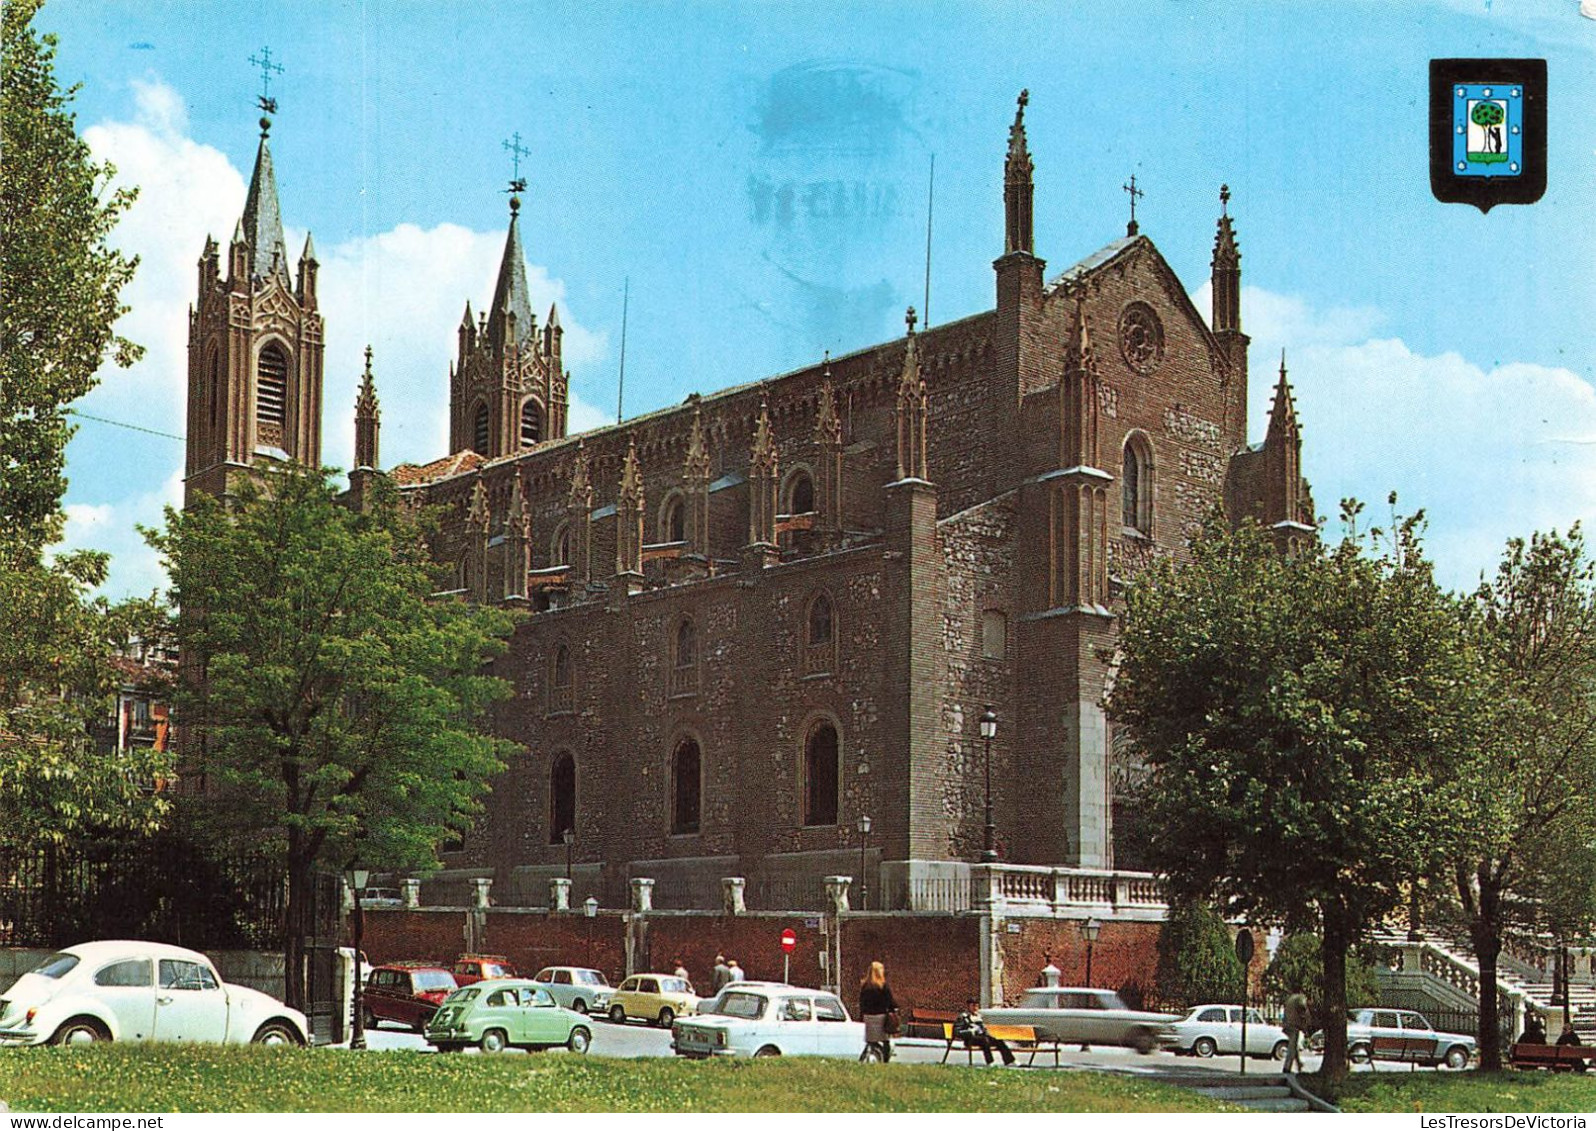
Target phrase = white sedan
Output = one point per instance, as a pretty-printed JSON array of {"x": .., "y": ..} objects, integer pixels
[
  {"x": 1210, "y": 1029},
  {"x": 770, "y": 1020},
  {"x": 139, "y": 991}
]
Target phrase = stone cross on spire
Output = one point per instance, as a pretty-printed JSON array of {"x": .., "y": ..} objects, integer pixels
[
  {"x": 517, "y": 151},
  {"x": 268, "y": 104},
  {"x": 1132, "y": 228}
]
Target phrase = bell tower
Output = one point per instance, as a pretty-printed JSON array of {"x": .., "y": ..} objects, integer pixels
[{"x": 254, "y": 347}]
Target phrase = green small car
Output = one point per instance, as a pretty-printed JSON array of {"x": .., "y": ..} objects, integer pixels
[{"x": 506, "y": 1013}]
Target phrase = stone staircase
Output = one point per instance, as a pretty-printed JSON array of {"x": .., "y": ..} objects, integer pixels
[{"x": 1269, "y": 1092}]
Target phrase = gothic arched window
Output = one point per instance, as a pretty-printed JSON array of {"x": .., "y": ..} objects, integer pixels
[
  {"x": 531, "y": 424},
  {"x": 562, "y": 798},
  {"x": 216, "y": 385},
  {"x": 562, "y": 680},
  {"x": 801, "y": 494},
  {"x": 479, "y": 429},
  {"x": 684, "y": 659},
  {"x": 686, "y": 786},
  {"x": 673, "y": 519},
  {"x": 560, "y": 548},
  {"x": 271, "y": 385},
  {"x": 821, "y": 776},
  {"x": 820, "y": 635},
  {"x": 1136, "y": 484}
]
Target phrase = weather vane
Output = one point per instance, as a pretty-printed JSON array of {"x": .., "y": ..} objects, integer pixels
[
  {"x": 517, "y": 151},
  {"x": 268, "y": 104},
  {"x": 1132, "y": 228}
]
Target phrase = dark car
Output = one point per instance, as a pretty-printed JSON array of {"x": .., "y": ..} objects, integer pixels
[
  {"x": 407, "y": 993},
  {"x": 472, "y": 968}
]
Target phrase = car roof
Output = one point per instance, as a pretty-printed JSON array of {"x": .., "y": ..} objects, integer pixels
[
  {"x": 498, "y": 983},
  {"x": 412, "y": 966},
  {"x": 115, "y": 948}
]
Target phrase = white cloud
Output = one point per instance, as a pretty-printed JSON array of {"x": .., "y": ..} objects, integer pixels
[
  {"x": 1488, "y": 454},
  {"x": 401, "y": 290}
]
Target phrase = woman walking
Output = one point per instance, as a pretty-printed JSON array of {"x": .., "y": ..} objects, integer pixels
[{"x": 880, "y": 1013}]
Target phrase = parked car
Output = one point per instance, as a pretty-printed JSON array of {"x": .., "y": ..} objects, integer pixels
[
  {"x": 139, "y": 991},
  {"x": 381, "y": 897},
  {"x": 576, "y": 987},
  {"x": 1210, "y": 1029},
  {"x": 1090, "y": 1017},
  {"x": 408, "y": 993},
  {"x": 469, "y": 968},
  {"x": 764, "y": 1019},
  {"x": 656, "y": 998},
  {"x": 505, "y": 1013},
  {"x": 1454, "y": 1050}
]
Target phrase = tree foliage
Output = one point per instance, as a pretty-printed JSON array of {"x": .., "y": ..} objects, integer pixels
[
  {"x": 61, "y": 279},
  {"x": 327, "y": 698},
  {"x": 1294, "y": 713},
  {"x": 1527, "y": 793},
  {"x": 1197, "y": 960},
  {"x": 1298, "y": 968}
]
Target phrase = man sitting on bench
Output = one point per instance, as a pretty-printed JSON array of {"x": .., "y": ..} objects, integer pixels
[{"x": 970, "y": 1029}]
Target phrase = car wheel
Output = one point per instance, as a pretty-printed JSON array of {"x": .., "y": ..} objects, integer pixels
[
  {"x": 1280, "y": 1050},
  {"x": 618, "y": 1014},
  {"x": 579, "y": 1040},
  {"x": 1204, "y": 1047},
  {"x": 1457, "y": 1057},
  {"x": 772, "y": 1050},
  {"x": 494, "y": 1040},
  {"x": 579, "y": 1005},
  {"x": 277, "y": 1033},
  {"x": 1360, "y": 1053},
  {"x": 80, "y": 1031},
  {"x": 1143, "y": 1041},
  {"x": 666, "y": 1016}
]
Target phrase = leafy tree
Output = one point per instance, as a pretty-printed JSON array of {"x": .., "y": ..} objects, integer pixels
[
  {"x": 1298, "y": 968},
  {"x": 1527, "y": 796},
  {"x": 1488, "y": 116},
  {"x": 1293, "y": 712},
  {"x": 1197, "y": 960},
  {"x": 329, "y": 701},
  {"x": 61, "y": 280},
  {"x": 57, "y": 678}
]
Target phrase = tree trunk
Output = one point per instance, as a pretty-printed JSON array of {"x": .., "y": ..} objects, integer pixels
[
  {"x": 1337, "y": 940},
  {"x": 1486, "y": 934},
  {"x": 295, "y": 920}
]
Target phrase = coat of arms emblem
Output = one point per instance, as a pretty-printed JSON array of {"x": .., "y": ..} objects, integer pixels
[{"x": 1488, "y": 131}]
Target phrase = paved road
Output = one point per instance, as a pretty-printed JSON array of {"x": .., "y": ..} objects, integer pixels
[{"x": 638, "y": 1040}]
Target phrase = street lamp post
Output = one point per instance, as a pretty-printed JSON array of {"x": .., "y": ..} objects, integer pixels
[
  {"x": 1089, "y": 931},
  {"x": 989, "y": 843},
  {"x": 590, "y": 909},
  {"x": 569, "y": 837},
  {"x": 864, "y": 841},
  {"x": 357, "y": 885}
]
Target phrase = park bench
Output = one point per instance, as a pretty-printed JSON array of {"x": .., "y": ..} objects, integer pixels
[
  {"x": 927, "y": 1024},
  {"x": 1558, "y": 1058},
  {"x": 1019, "y": 1038},
  {"x": 1414, "y": 1050}
]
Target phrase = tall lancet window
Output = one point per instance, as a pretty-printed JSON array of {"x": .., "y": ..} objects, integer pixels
[
  {"x": 271, "y": 385},
  {"x": 531, "y": 424},
  {"x": 479, "y": 430}
]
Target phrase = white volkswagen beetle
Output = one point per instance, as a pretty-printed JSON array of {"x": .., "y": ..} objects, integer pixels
[
  {"x": 139, "y": 991},
  {"x": 765, "y": 1019}
]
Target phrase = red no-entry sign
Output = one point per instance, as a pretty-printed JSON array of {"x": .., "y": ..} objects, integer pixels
[{"x": 789, "y": 941}]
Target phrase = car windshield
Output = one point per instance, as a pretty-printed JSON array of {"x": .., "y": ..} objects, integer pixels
[
  {"x": 434, "y": 980},
  {"x": 748, "y": 1006},
  {"x": 56, "y": 965},
  {"x": 463, "y": 995},
  {"x": 589, "y": 978},
  {"x": 672, "y": 986}
]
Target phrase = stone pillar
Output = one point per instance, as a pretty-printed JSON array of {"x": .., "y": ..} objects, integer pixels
[
  {"x": 1050, "y": 974},
  {"x": 411, "y": 892},
  {"x": 986, "y": 889},
  {"x": 479, "y": 892},
  {"x": 559, "y": 894},
  {"x": 732, "y": 889},
  {"x": 642, "y": 894},
  {"x": 837, "y": 892}
]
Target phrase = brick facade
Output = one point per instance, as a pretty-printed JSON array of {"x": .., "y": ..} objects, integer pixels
[{"x": 963, "y": 504}]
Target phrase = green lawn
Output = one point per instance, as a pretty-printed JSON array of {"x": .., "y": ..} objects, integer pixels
[
  {"x": 1461, "y": 1091},
  {"x": 133, "y": 1078}
]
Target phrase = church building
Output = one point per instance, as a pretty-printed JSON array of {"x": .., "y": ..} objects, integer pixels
[{"x": 765, "y": 626}]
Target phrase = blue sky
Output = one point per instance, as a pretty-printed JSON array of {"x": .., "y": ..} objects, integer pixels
[{"x": 759, "y": 173}]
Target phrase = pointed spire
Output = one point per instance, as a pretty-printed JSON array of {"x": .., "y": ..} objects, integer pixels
[
  {"x": 1226, "y": 253},
  {"x": 309, "y": 254},
  {"x": 631, "y": 474},
  {"x": 238, "y": 232},
  {"x": 1079, "y": 356},
  {"x": 1017, "y": 186},
  {"x": 911, "y": 410},
  {"x": 696, "y": 466},
  {"x": 477, "y": 517},
  {"x": 368, "y": 418},
  {"x": 366, "y": 401},
  {"x": 764, "y": 447},
  {"x": 1283, "y": 413},
  {"x": 554, "y": 317},
  {"x": 510, "y": 291},
  {"x": 580, "y": 495},
  {"x": 516, "y": 519},
  {"x": 262, "y": 222},
  {"x": 828, "y": 425},
  {"x": 467, "y": 322}
]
